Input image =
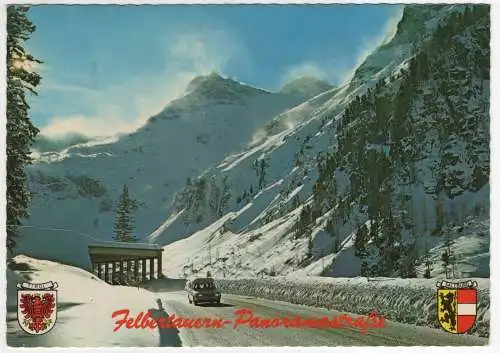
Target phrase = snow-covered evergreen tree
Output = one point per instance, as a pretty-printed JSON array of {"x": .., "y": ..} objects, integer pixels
[
  {"x": 124, "y": 221},
  {"x": 20, "y": 130}
]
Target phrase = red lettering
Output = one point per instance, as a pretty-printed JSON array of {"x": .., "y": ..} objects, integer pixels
[
  {"x": 286, "y": 322},
  {"x": 207, "y": 322},
  {"x": 162, "y": 322},
  {"x": 324, "y": 322},
  {"x": 310, "y": 322},
  {"x": 254, "y": 322},
  {"x": 276, "y": 322},
  {"x": 217, "y": 323},
  {"x": 177, "y": 323},
  {"x": 119, "y": 323},
  {"x": 244, "y": 316},
  {"x": 361, "y": 323},
  {"x": 296, "y": 322},
  {"x": 137, "y": 319},
  {"x": 265, "y": 323},
  {"x": 345, "y": 320},
  {"x": 145, "y": 319},
  {"x": 130, "y": 323},
  {"x": 335, "y": 322},
  {"x": 152, "y": 323},
  {"x": 375, "y": 321},
  {"x": 188, "y": 323},
  {"x": 380, "y": 323},
  {"x": 165, "y": 322}
]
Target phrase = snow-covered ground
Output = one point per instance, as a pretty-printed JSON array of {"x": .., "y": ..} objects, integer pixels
[
  {"x": 85, "y": 306},
  {"x": 471, "y": 246},
  {"x": 256, "y": 252},
  {"x": 412, "y": 301},
  {"x": 273, "y": 248}
]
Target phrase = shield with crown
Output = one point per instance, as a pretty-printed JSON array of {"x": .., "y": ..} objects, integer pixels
[{"x": 37, "y": 307}]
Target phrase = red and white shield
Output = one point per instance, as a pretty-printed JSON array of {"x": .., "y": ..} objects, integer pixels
[
  {"x": 466, "y": 309},
  {"x": 457, "y": 306},
  {"x": 36, "y": 308}
]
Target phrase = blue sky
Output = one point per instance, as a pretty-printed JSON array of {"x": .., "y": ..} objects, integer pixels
[{"x": 108, "y": 68}]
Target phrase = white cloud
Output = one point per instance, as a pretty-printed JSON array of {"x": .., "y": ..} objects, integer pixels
[
  {"x": 205, "y": 49},
  {"x": 91, "y": 126},
  {"x": 125, "y": 107},
  {"x": 49, "y": 85},
  {"x": 305, "y": 69}
]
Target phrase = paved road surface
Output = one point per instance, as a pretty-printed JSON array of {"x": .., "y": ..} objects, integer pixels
[{"x": 394, "y": 334}]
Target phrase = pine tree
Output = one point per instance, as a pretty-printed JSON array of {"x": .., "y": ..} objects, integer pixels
[
  {"x": 428, "y": 267},
  {"x": 310, "y": 246},
  {"x": 20, "y": 131},
  {"x": 215, "y": 199},
  {"x": 302, "y": 226},
  {"x": 360, "y": 242},
  {"x": 226, "y": 195},
  {"x": 336, "y": 245},
  {"x": 439, "y": 216},
  {"x": 408, "y": 261},
  {"x": 124, "y": 221},
  {"x": 450, "y": 257},
  {"x": 262, "y": 171},
  {"x": 445, "y": 258}
]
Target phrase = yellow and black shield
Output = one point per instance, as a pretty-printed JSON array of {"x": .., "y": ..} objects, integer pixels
[
  {"x": 457, "y": 308},
  {"x": 447, "y": 309}
]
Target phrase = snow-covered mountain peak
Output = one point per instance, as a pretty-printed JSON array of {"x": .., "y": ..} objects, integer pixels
[
  {"x": 307, "y": 85},
  {"x": 211, "y": 79},
  {"x": 417, "y": 25},
  {"x": 215, "y": 117},
  {"x": 217, "y": 88}
]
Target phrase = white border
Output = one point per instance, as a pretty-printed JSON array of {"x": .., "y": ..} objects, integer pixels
[{"x": 495, "y": 292}]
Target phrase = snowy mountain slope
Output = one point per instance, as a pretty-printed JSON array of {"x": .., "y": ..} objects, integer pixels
[
  {"x": 75, "y": 188},
  {"x": 472, "y": 246},
  {"x": 404, "y": 145},
  {"x": 306, "y": 86},
  {"x": 370, "y": 178}
]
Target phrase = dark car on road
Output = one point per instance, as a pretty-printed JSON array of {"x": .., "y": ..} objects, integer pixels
[{"x": 202, "y": 290}]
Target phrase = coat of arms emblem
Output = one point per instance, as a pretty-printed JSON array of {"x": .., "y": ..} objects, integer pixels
[
  {"x": 37, "y": 307},
  {"x": 457, "y": 305}
]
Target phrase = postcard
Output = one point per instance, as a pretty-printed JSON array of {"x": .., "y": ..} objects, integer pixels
[{"x": 248, "y": 175}]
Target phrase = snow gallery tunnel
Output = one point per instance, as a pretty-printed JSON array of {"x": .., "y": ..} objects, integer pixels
[{"x": 126, "y": 264}]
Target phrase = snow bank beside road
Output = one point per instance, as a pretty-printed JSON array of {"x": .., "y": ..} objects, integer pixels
[
  {"x": 411, "y": 301},
  {"x": 85, "y": 306}
]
